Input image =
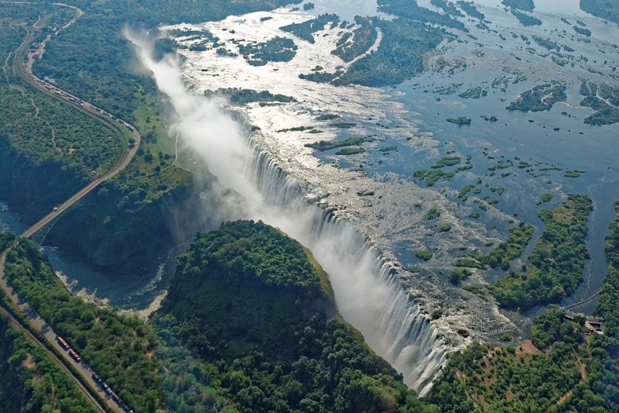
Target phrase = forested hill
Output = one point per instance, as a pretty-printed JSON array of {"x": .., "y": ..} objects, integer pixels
[
  {"x": 252, "y": 304},
  {"x": 250, "y": 325}
]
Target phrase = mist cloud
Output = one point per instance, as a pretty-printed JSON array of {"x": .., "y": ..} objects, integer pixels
[
  {"x": 365, "y": 295},
  {"x": 201, "y": 122}
]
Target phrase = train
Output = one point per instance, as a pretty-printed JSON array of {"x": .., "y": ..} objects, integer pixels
[
  {"x": 74, "y": 355},
  {"x": 65, "y": 346},
  {"x": 62, "y": 343}
]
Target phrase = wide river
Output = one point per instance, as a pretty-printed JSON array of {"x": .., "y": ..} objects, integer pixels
[{"x": 498, "y": 62}]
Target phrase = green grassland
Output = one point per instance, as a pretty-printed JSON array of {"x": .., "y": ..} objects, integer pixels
[{"x": 424, "y": 255}]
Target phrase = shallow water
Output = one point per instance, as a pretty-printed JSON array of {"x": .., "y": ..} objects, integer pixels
[
  {"x": 516, "y": 136},
  {"x": 563, "y": 7},
  {"x": 413, "y": 110},
  {"x": 374, "y": 189}
]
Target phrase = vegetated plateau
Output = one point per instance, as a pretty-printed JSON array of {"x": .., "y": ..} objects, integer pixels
[{"x": 221, "y": 357}]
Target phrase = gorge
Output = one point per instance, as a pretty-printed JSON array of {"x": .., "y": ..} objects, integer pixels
[{"x": 367, "y": 291}]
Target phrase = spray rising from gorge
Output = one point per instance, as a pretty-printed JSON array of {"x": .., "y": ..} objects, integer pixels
[{"x": 367, "y": 292}]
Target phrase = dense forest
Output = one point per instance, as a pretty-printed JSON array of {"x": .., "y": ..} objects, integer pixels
[
  {"x": 234, "y": 290},
  {"x": 39, "y": 136},
  {"x": 557, "y": 261},
  {"x": 411, "y": 10},
  {"x": 117, "y": 346},
  {"x": 30, "y": 381},
  {"x": 54, "y": 149},
  {"x": 605, "y": 9},
  {"x": 219, "y": 342},
  {"x": 604, "y": 99},
  {"x": 565, "y": 367},
  {"x": 525, "y": 19},
  {"x": 399, "y": 56},
  {"x": 135, "y": 205},
  {"x": 105, "y": 76},
  {"x": 532, "y": 377},
  {"x": 470, "y": 9},
  {"x": 233, "y": 353},
  {"x": 517, "y": 239},
  {"x": 249, "y": 324},
  {"x": 602, "y": 371},
  {"x": 540, "y": 98}
]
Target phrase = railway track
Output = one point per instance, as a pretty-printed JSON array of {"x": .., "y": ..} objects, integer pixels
[{"x": 80, "y": 372}]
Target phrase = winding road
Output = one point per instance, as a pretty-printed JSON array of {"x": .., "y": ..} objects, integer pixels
[
  {"x": 80, "y": 372},
  {"x": 112, "y": 122}
]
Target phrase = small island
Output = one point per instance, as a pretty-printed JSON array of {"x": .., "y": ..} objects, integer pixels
[
  {"x": 461, "y": 120},
  {"x": 525, "y": 19},
  {"x": 540, "y": 98},
  {"x": 327, "y": 145},
  {"x": 526, "y": 5},
  {"x": 350, "y": 151}
]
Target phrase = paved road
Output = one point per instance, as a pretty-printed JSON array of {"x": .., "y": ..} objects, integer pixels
[
  {"x": 105, "y": 117},
  {"x": 37, "y": 323},
  {"x": 84, "y": 390},
  {"x": 34, "y": 320}
]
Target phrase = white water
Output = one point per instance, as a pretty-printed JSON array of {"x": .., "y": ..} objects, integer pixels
[{"x": 367, "y": 292}]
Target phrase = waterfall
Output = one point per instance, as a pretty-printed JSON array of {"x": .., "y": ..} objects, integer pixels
[{"x": 367, "y": 292}]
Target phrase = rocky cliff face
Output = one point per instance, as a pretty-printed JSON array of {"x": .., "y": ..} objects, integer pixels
[
  {"x": 112, "y": 238},
  {"x": 110, "y": 235},
  {"x": 255, "y": 307},
  {"x": 31, "y": 188}
]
